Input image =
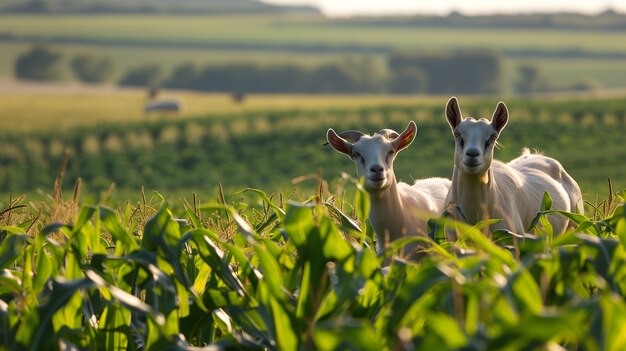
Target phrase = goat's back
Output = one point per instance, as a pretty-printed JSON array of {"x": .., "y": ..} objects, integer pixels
[
  {"x": 521, "y": 189},
  {"x": 426, "y": 195},
  {"x": 556, "y": 171}
]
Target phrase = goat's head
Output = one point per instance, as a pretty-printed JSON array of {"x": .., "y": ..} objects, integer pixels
[
  {"x": 373, "y": 155},
  {"x": 475, "y": 139}
]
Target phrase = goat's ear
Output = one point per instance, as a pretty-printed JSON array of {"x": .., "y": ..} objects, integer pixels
[
  {"x": 338, "y": 143},
  {"x": 500, "y": 117},
  {"x": 405, "y": 138},
  {"x": 453, "y": 113}
]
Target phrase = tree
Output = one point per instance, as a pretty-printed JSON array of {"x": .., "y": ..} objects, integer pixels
[
  {"x": 92, "y": 69},
  {"x": 532, "y": 80},
  {"x": 144, "y": 76},
  {"x": 585, "y": 84},
  {"x": 408, "y": 80},
  {"x": 453, "y": 72},
  {"x": 40, "y": 63}
]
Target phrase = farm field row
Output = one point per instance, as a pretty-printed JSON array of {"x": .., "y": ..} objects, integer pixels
[
  {"x": 37, "y": 107},
  {"x": 32, "y": 107},
  {"x": 297, "y": 30},
  {"x": 241, "y": 150}
]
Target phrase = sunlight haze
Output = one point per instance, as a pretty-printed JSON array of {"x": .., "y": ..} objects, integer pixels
[{"x": 442, "y": 7}]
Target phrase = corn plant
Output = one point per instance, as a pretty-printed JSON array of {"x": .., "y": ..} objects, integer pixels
[{"x": 304, "y": 277}]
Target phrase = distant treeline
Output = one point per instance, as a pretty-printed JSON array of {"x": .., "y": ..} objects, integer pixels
[
  {"x": 149, "y": 6},
  {"x": 428, "y": 72},
  {"x": 461, "y": 72},
  {"x": 607, "y": 20}
]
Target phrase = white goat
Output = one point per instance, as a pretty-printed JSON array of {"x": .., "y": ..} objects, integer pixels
[
  {"x": 396, "y": 209},
  {"x": 486, "y": 188},
  {"x": 167, "y": 106}
]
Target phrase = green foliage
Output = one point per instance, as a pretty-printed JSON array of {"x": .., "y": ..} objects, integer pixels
[
  {"x": 92, "y": 69},
  {"x": 408, "y": 80},
  {"x": 532, "y": 80},
  {"x": 251, "y": 78},
  {"x": 304, "y": 284},
  {"x": 41, "y": 62},
  {"x": 454, "y": 72},
  {"x": 247, "y": 146},
  {"x": 144, "y": 76}
]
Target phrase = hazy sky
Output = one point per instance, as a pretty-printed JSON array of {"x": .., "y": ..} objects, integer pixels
[{"x": 369, "y": 7}]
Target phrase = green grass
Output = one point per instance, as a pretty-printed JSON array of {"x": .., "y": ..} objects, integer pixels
[{"x": 299, "y": 30}]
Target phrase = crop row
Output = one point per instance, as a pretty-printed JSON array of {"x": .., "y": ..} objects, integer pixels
[
  {"x": 270, "y": 149},
  {"x": 296, "y": 278}
]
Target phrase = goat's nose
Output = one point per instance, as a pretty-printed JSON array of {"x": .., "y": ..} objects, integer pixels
[
  {"x": 376, "y": 168},
  {"x": 472, "y": 152}
]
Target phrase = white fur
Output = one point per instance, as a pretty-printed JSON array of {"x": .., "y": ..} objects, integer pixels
[
  {"x": 484, "y": 188},
  {"x": 397, "y": 209}
]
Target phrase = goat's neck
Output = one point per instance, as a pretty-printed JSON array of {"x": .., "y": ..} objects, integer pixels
[
  {"x": 472, "y": 193},
  {"x": 386, "y": 209}
]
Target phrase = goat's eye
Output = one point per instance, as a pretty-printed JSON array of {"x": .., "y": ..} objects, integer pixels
[
  {"x": 491, "y": 139},
  {"x": 356, "y": 155},
  {"x": 391, "y": 152}
]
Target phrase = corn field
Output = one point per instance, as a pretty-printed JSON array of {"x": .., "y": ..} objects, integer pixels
[{"x": 292, "y": 275}]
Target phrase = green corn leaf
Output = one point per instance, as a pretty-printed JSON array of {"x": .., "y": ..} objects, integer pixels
[
  {"x": 345, "y": 334},
  {"x": 45, "y": 266},
  {"x": 574, "y": 217},
  {"x": 286, "y": 337},
  {"x": 298, "y": 222},
  {"x": 37, "y": 328},
  {"x": 111, "y": 223},
  {"x": 85, "y": 213},
  {"x": 211, "y": 254},
  {"x": 115, "y": 325},
  {"x": 613, "y": 322},
  {"x": 546, "y": 202},
  {"x": 361, "y": 202},
  {"x": 12, "y": 249},
  {"x": 447, "y": 329},
  {"x": 485, "y": 244},
  {"x": 161, "y": 233},
  {"x": 525, "y": 290},
  {"x": 347, "y": 223},
  {"x": 620, "y": 229},
  {"x": 9, "y": 283},
  {"x": 271, "y": 272}
]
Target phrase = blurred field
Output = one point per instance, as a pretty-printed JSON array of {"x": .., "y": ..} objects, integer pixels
[
  {"x": 270, "y": 140},
  {"x": 126, "y": 56},
  {"x": 609, "y": 73},
  {"x": 41, "y": 107},
  {"x": 134, "y": 40},
  {"x": 297, "y": 30},
  {"x": 112, "y": 139}
]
